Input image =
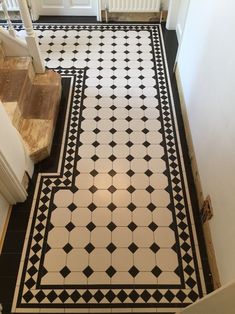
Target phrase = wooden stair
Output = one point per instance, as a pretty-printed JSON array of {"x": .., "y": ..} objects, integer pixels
[{"x": 31, "y": 101}]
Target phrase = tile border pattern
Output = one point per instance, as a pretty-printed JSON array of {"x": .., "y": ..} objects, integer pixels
[{"x": 137, "y": 296}]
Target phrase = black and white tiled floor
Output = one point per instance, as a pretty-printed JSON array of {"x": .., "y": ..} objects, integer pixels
[{"x": 112, "y": 228}]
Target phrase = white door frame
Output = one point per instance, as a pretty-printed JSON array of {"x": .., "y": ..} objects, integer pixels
[{"x": 34, "y": 7}]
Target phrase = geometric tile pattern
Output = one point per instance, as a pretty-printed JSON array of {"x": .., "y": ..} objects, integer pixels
[{"x": 113, "y": 228}]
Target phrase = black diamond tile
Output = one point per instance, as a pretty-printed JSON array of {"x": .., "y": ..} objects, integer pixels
[
  {"x": 111, "y": 247},
  {"x": 129, "y": 157},
  {"x": 112, "y": 173},
  {"x": 95, "y": 158},
  {"x": 89, "y": 248},
  {"x": 133, "y": 247},
  {"x": 131, "y": 189},
  {"x": 112, "y": 158},
  {"x": 147, "y": 158},
  {"x": 93, "y": 189},
  {"x": 154, "y": 247},
  {"x": 112, "y": 144},
  {"x": 156, "y": 271},
  {"x": 72, "y": 207},
  {"x": 129, "y": 144},
  {"x": 65, "y": 271},
  {"x": 112, "y": 189},
  {"x": 88, "y": 271},
  {"x": 129, "y": 131},
  {"x": 92, "y": 207},
  {"x": 146, "y": 143},
  {"x": 93, "y": 173},
  {"x": 111, "y": 271},
  {"x": 67, "y": 248},
  {"x": 148, "y": 173},
  {"x": 152, "y": 226},
  {"x": 151, "y": 207},
  {"x": 70, "y": 226},
  {"x": 130, "y": 173},
  {"x": 112, "y": 206},
  {"x": 150, "y": 189},
  {"x": 111, "y": 226},
  {"x": 132, "y": 226},
  {"x": 91, "y": 226},
  {"x": 133, "y": 271},
  {"x": 131, "y": 207}
]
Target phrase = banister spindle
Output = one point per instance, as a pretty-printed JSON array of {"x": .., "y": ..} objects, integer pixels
[
  {"x": 31, "y": 38},
  {"x": 11, "y": 29}
]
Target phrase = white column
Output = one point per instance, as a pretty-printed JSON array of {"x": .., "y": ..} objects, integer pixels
[
  {"x": 31, "y": 38},
  {"x": 172, "y": 16}
]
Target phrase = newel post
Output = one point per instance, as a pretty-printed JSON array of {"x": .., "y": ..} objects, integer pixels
[{"x": 31, "y": 38}]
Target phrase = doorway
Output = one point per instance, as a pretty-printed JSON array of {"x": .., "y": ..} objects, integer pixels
[{"x": 68, "y": 7}]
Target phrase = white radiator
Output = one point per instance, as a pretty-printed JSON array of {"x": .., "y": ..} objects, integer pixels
[
  {"x": 12, "y": 5},
  {"x": 134, "y": 5}
]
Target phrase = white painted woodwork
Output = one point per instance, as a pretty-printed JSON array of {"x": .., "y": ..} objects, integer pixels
[
  {"x": 12, "y": 5},
  {"x": 219, "y": 301},
  {"x": 68, "y": 7},
  {"x": 31, "y": 38}
]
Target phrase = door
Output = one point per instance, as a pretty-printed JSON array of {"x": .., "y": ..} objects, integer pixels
[{"x": 68, "y": 7}]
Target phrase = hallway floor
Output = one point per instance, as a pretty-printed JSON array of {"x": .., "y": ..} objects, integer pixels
[{"x": 111, "y": 226}]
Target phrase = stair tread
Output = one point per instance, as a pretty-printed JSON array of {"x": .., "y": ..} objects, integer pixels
[{"x": 16, "y": 63}]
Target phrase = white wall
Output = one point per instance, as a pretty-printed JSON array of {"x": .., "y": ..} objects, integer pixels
[
  {"x": 207, "y": 71},
  {"x": 12, "y": 149}
]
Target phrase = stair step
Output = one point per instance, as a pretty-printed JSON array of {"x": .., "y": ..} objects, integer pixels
[
  {"x": 44, "y": 95},
  {"x": 32, "y": 103}
]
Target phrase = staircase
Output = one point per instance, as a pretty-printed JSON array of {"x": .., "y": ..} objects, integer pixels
[{"x": 31, "y": 101}]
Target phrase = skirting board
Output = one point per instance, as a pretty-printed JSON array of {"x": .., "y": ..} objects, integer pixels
[{"x": 201, "y": 198}]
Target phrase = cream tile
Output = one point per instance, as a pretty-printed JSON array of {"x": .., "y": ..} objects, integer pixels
[
  {"x": 121, "y": 165},
  {"x": 58, "y": 237},
  {"x": 75, "y": 278},
  {"x": 104, "y": 137},
  {"x": 55, "y": 260},
  {"x": 162, "y": 217},
  {"x": 168, "y": 278},
  {"x": 85, "y": 165},
  {"x": 77, "y": 260},
  {"x": 155, "y": 151},
  {"x": 102, "y": 198},
  {"x": 167, "y": 259},
  {"x": 79, "y": 237},
  {"x": 103, "y": 165},
  {"x": 122, "y": 278},
  {"x": 81, "y": 216},
  {"x": 101, "y": 237},
  {"x": 122, "y": 237},
  {"x": 121, "y": 137},
  {"x": 142, "y": 216},
  {"x": 121, "y": 181},
  {"x": 157, "y": 165},
  {"x": 141, "y": 198},
  {"x": 101, "y": 216},
  {"x": 52, "y": 278},
  {"x": 164, "y": 237},
  {"x": 104, "y": 151},
  {"x": 84, "y": 181},
  {"x": 144, "y": 259},
  {"x": 140, "y": 181},
  {"x": 158, "y": 181},
  {"x": 145, "y": 277},
  {"x": 60, "y": 217},
  {"x": 161, "y": 198},
  {"x": 138, "y": 151},
  {"x": 143, "y": 237},
  {"x": 121, "y": 198},
  {"x": 122, "y": 259},
  {"x": 82, "y": 198},
  {"x": 139, "y": 165},
  {"x": 100, "y": 260},
  {"x": 121, "y": 216},
  {"x": 121, "y": 151},
  {"x": 103, "y": 181},
  {"x": 63, "y": 198}
]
